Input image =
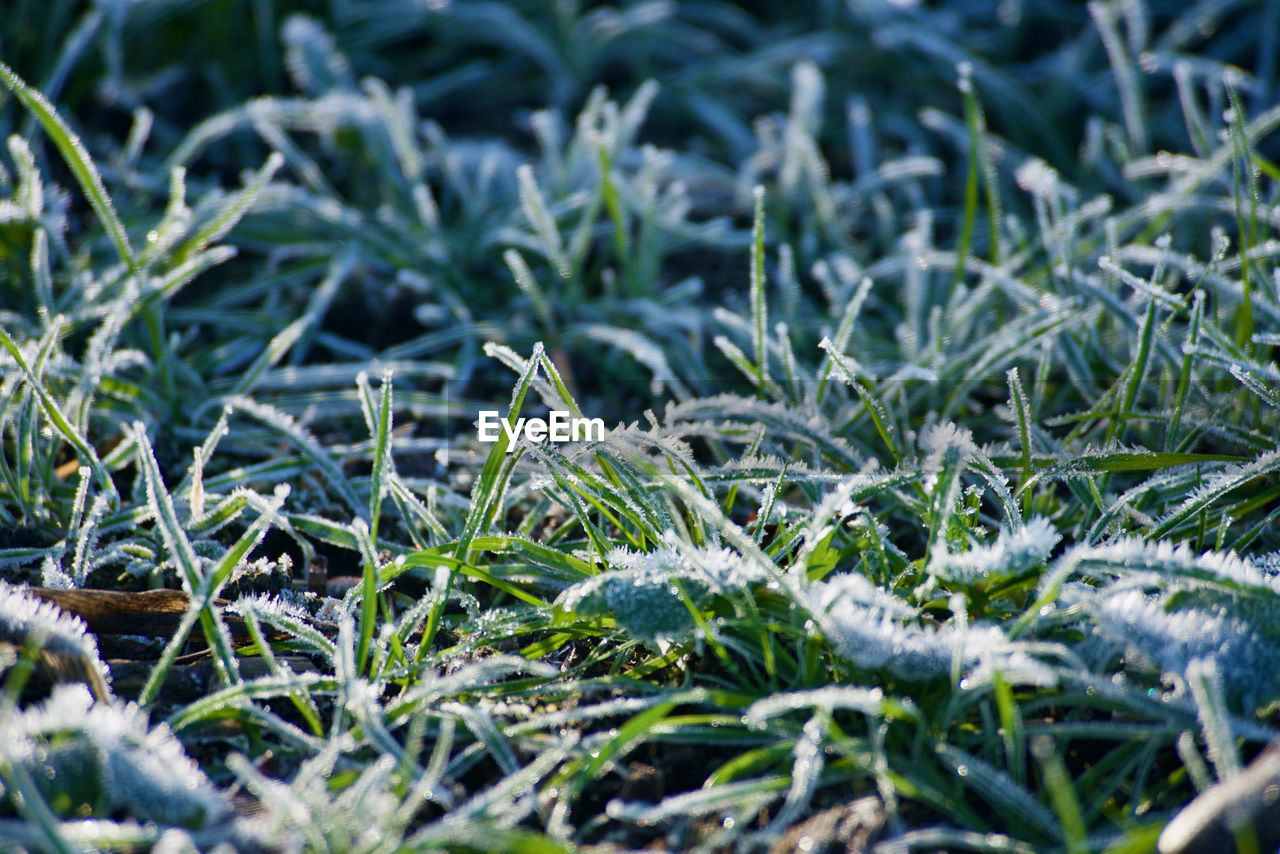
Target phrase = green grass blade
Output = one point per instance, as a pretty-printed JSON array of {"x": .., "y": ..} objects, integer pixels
[
  {"x": 77, "y": 159},
  {"x": 759, "y": 303}
]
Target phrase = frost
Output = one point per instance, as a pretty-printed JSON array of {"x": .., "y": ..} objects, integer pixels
[
  {"x": 131, "y": 766},
  {"x": 1164, "y": 559},
  {"x": 1012, "y": 554},
  {"x": 51, "y": 575},
  {"x": 641, "y": 348},
  {"x": 997, "y": 786},
  {"x": 312, "y": 57},
  {"x": 24, "y": 618},
  {"x": 1168, "y": 606},
  {"x": 943, "y": 441},
  {"x": 645, "y": 601},
  {"x": 263, "y": 604},
  {"x": 308, "y": 813},
  {"x": 856, "y": 589},
  {"x": 1171, "y": 638},
  {"x": 723, "y": 569},
  {"x": 1218, "y": 485},
  {"x": 913, "y": 372},
  {"x": 643, "y": 590},
  {"x": 1037, "y": 178},
  {"x": 868, "y": 701},
  {"x": 729, "y": 416},
  {"x": 1268, "y": 564},
  {"x": 805, "y": 771},
  {"x": 875, "y": 638}
]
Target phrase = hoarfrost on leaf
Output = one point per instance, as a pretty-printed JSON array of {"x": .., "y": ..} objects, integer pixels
[
  {"x": 1037, "y": 178},
  {"x": 943, "y": 441},
  {"x": 644, "y": 601},
  {"x": 1012, "y": 554},
  {"x": 723, "y": 570},
  {"x": 1155, "y": 627},
  {"x": 141, "y": 769},
  {"x": 868, "y": 701},
  {"x": 1164, "y": 559},
  {"x": 643, "y": 591},
  {"x": 856, "y": 589},
  {"x": 874, "y": 637},
  {"x": 24, "y": 617},
  {"x": 267, "y": 604}
]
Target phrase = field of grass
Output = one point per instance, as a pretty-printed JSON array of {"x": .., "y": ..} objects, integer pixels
[{"x": 939, "y": 504}]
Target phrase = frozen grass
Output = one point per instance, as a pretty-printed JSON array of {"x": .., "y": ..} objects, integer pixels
[{"x": 945, "y": 467}]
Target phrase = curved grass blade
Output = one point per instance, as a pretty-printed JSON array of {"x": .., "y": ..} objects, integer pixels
[{"x": 77, "y": 159}]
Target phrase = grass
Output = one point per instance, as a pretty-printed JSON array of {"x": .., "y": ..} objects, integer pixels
[{"x": 942, "y": 478}]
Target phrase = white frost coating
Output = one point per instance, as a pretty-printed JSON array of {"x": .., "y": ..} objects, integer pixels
[
  {"x": 1221, "y": 483},
  {"x": 868, "y": 701},
  {"x": 641, "y": 348},
  {"x": 941, "y": 440},
  {"x": 645, "y": 602},
  {"x": 1172, "y": 639},
  {"x": 913, "y": 372},
  {"x": 309, "y": 49},
  {"x": 1037, "y": 178},
  {"x": 875, "y": 639},
  {"x": 24, "y": 617},
  {"x": 143, "y": 770},
  {"x": 1268, "y": 564},
  {"x": 266, "y": 604},
  {"x": 857, "y": 589},
  {"x": 721, "y": 570},
  {"x": 712, "y": 416},
  {"x": 299, "y": 814},
  {"x": 1133, "y": 553},
  {"x": 805, "y": 771},
  {"x": 51, "y": 575},
  {"x": 1011, "y": 554},
  {"x": 643, "y": 591}
]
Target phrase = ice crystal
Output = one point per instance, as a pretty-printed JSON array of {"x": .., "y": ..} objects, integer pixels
[
  {"x": 1167, "y": 560},
  {"x": 721, "y": 570},
  {"x": 1268, "y": 564},
  {"x": 1037, "y": 178},
  {"x": 141, "y": 769},
  {"x": 52, "y": 575},
  {"x": 943, "y": 441},
  {"x": 24, "y": 618},
  {"x": 1155, "y": 628},
  {"x": 1013, "y": 553},
  {"x": 645, "y": 591},
  {"x": 312, "y": 57},
  {"x": 308, "y": 814},
  {"x": 857, "y": 590},
  {"x": 645, "y": 601},
  {"x": 868, "y": 701},
  {"x": 265, "y": 603},
  {"x": 874, "y": 637}
]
